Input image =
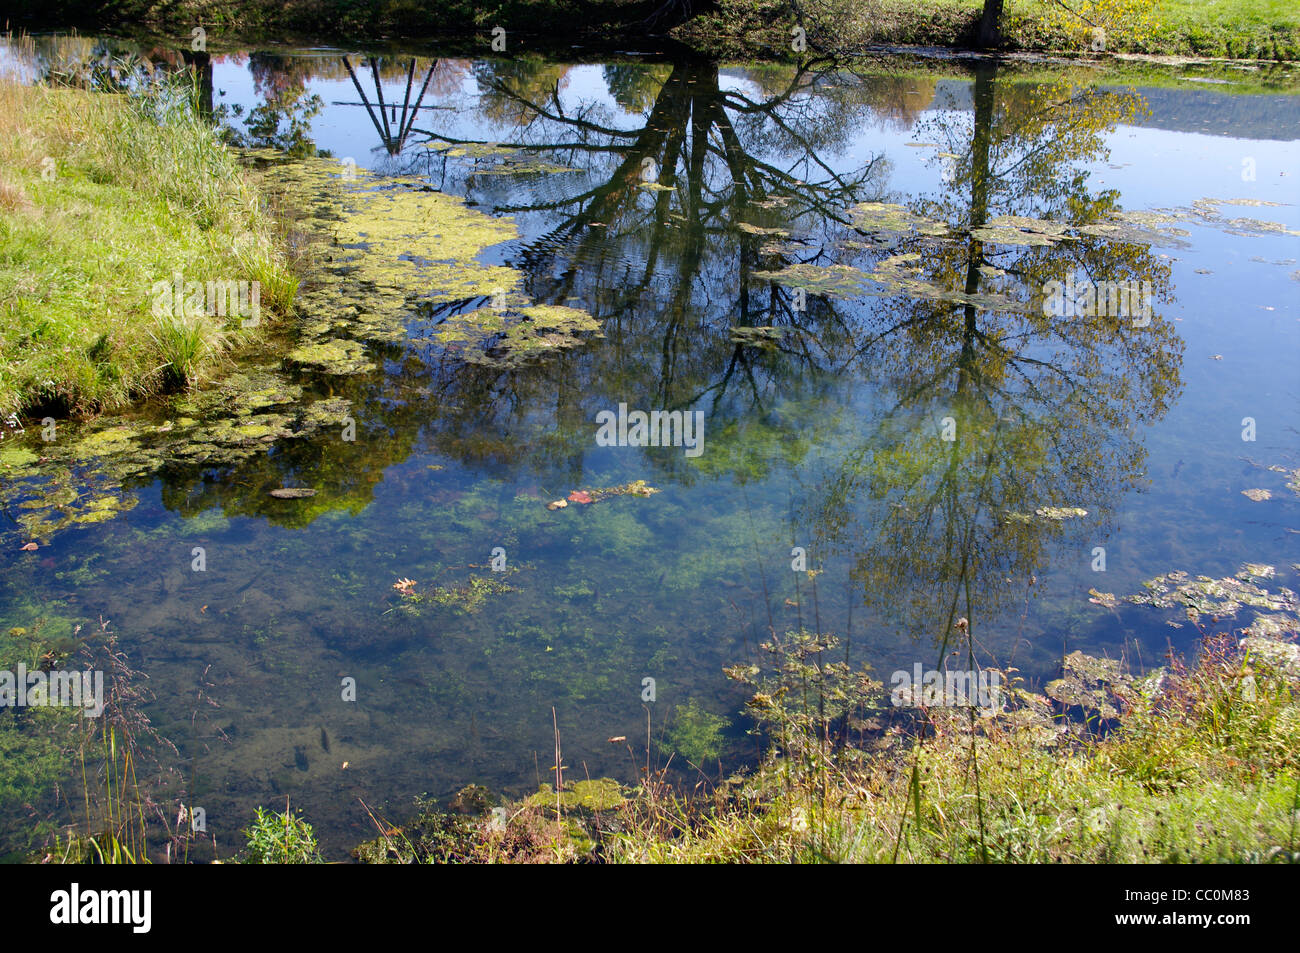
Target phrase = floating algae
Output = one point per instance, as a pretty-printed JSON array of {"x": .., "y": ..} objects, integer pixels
[
  {"x": 898, "y": 273},
  {"x": 1055, "y": 514},
  {"x": 397, "y": 248},
  {"x": 497, "y": 159},
  {"x": 768, "y": 338},
  {"x": 339, "y": 356},
  {"x": 506, "y": 338},
  {"x": 1020, "y": 230},
  {"x": 836, "y": 280},
  {"x": 1139, "y": 227},
  {"x": 83, "y": 477},
  {"x": 749, "y": 229},
  {"x": 599, "y": 794},
  {"x": 1220, "y": 598},
  {"x": 1091, "y": 683},
  {"x": 888, "y": 218}
]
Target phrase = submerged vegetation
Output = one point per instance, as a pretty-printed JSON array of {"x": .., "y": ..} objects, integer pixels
[{"x": 1194, "y": 762}]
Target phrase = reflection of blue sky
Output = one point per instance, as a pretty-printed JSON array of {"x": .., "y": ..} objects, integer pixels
[
  {"x": 1244, "y": 310},
  {"x": 1152, "y": 168}
]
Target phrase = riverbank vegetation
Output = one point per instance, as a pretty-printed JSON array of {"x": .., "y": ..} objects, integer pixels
[
  {"x": 1195, "y": 762},
  {"x": 102, "y": 198},
  {"x": 1254, "y": 29}
]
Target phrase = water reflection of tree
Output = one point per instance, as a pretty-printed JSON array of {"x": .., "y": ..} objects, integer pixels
[
  {"x": 665, "y": 268},
  {"x": 647, "y": 233},
  {"x": 282, "y": 120},
  {"x": 1046, "y": 408}
]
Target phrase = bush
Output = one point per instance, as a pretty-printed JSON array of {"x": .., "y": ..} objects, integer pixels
[{"x": 280, "y": 839}]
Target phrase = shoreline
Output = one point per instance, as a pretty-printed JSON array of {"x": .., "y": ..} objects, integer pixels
[{"x": 729, "y": 29}]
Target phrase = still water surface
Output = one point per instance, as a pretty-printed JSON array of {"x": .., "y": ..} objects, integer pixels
[{"x": 677, "y": 202}]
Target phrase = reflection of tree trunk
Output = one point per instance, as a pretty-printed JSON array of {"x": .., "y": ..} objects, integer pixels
[
  {"x": 979, "y": 208},
  {"x": 990, "y": 30},
  {"x": 969, "y": 363}
]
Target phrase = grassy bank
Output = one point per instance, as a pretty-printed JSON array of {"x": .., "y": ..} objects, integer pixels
[
  {"x": 1257, "y": 29},
  {"x": 102, "y": 198},
  {"x": 1247, "y": 29}
]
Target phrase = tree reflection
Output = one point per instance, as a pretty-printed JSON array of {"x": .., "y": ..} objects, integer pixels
[
  {"x": 667, "y": 218},
  {"x": 664, "y": 228},
  {"x": 1043, "y": 410}
]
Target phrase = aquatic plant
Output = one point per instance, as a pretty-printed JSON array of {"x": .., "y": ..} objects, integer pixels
[
  {"x": 282, "y": 838},
  {"x": 464, "y": 599},
  {"x": 473, "y": 828},
  {"x": 184, "y": 346},
  {"x": 696, "y": 733}
]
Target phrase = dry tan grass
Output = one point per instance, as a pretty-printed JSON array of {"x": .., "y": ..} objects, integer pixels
[
  {"x": 14, "y": 200},
  {"x": 17, "y": 148}
]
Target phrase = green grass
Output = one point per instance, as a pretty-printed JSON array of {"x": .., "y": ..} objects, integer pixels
[
  {"x": 1257, "y": 29},
  {"x": 1200, "y": 766},
  {"x": 101, "y": 196},
  {"x": 1267, "y": 29}
]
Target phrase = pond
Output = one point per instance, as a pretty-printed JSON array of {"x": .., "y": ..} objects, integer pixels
[{"x": 943, "y": 342}]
